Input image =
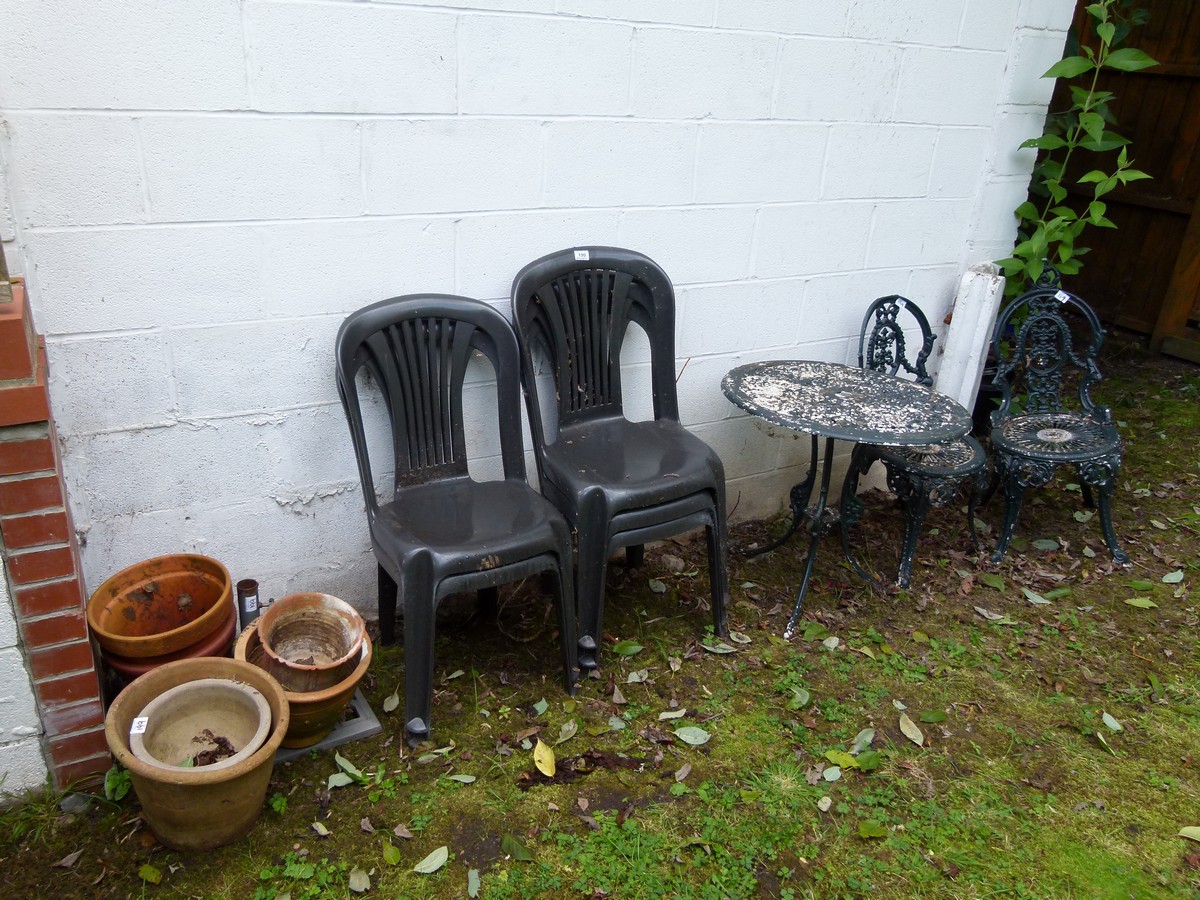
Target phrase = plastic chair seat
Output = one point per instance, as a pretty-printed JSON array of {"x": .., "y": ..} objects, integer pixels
[
  {"x": 641, "y": 463},
  {"x": 1062, "y": 437}
]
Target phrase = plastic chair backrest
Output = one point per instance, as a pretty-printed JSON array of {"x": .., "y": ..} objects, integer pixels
[
  {"x": 416, "y": 349},
  {"x": 1044, "y": 338},
  {"x": 882, "y": 344},
  {"x": 577, "y": 305}
]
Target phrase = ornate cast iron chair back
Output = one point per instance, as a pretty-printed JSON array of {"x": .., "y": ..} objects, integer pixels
[{"x": 883, "y": 345}]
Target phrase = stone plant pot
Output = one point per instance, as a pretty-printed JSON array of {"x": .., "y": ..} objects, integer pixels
[
  {"x": 315, "y": 713},
  {"x": 208, "y": 806},
  {"x": 219, "y": 643},
  {"x": 160, "y": 606},
  {"x": 310, "y": 641},
  {"x": 206, "y": 717}
]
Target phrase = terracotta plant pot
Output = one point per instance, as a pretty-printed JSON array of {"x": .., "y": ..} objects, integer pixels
[
  {"x": 205, "y": 807},
  {"x": 219, "y": 643},
  {"x": 160, "y": 606},
  {"x": 200, "y": 719},
  {"x": 311, "y": 641},
  {"x": 313, "y": 714}
]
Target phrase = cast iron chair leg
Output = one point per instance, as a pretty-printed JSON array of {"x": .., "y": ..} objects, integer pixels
[
  {"x": 387, "y": 607},
  {"x": 1101, "y": 475},
  {"x": 418, "y": 663},
  {"x": 1088, "y": 500},
  {"x": 1013, "y": 494},
  {"x": 851, "y": 508},
  {"x": 978, "y": 486},
  {"x": 635, "y": 554},
  {"x": 916, "y": 505}
]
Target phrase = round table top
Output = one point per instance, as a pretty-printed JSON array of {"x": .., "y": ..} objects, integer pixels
[{"x": 846, "y": 403}]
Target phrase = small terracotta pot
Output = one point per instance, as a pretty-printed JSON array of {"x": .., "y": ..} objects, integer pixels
[
  {"x": 313, "y": 714},
  {"x": 311, "y": 641},
  {"x": 219, "y": 643},
  {"x": 161, "y": 605},
  {"x": 199, "y": 716},
  {"x": 206, "y": 807}
]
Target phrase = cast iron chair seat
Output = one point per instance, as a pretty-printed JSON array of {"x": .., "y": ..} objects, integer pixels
[
  {"x": 443, "y": 532},
  {"x": 619, "y": 483},
  {"x": 1040, "y": 338},
  {"x": 919, "y": 476}
]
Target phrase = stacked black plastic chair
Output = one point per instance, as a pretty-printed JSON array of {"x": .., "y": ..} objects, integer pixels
[
  {"x": 921, "y": 476},
  {"x": 443, "y": 532},
  {"x": 1044, "y": 338},
  {"x": 619, "y": 483}
]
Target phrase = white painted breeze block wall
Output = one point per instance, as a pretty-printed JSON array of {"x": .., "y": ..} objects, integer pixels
[{"x": 200, "y": 192}]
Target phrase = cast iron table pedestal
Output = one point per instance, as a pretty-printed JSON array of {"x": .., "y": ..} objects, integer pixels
[{"x": 843, "y": 403}]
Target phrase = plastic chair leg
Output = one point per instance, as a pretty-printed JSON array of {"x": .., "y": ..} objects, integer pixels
[
  {"x": 489, "y": 601},
  {"x": 387, "y": 607},
  {"x": 564, "y": 600},
  {"x": 718, "y": 573},
  {"x": 591, "y": 568},
  {"x": 419, "y": 622},
  {"x": 635, "y": 554}
]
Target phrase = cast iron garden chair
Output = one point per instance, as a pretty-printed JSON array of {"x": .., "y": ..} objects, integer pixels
[
  {"x": 1044, "y": 339},
  {"x": 922, "y": 476},
  {"x": 619, "y": 483},
  {"x": 444, "y": 532}
]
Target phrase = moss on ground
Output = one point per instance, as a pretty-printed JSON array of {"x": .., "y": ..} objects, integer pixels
[{"x": 1021, "y": 785}]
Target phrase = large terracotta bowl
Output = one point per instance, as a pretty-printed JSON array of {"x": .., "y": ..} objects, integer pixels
[
  {"x": 160, "y": 605},
  {"x": 219, "y": 643},
  {"x": 204, "y": 807},
  {"x": 315, "y": 713}
]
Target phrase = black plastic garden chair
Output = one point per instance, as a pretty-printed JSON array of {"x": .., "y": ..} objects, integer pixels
[
  {"x": 1044, "y": 339},
  {"x": 619, "y": 483},
  {"x": 444, "y": 532},
  {"x": 920, "y": 476}
]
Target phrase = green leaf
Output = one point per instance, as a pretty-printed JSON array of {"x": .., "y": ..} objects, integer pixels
[
  {"x": 1142, "y": 603},
  {"x": 473, "y": 883},
  {"x": 862, "y": 741},
  {"x": 1045, "y": 142},
  {"x": 1129, "y": 59},
  {"x": 800, "y": 698},
  {"x": 992, "y": 580},
  {"x": 541, "y": 706},
  {"x": 1140, "y": 584},
  {"x": 869, "y": 828},
  {"x": 1083, "y": 515},
  {"x": 391, "y": 701},
  {"x": 672, "y": 714},
  {"x": 1026, "y": 210},
  {"x": 1105, "y": 31},
  {"x": 348, "y": 767},
  {"x": 616, "y": 723},
  {"x": 657, "y": 586},
  {"x": 337, "y": 780},
  {"x": 1112, "y": 723},
  {"x": 435, "y": 860},
  {"x": 391, "y": 853},
  {"x": 359, "y": 881},
  {"x": 1069, "y": 67},
  {"x": 463, "y": 779},
  {"x": 814, "y": 631},
  {"x": 150, "y": 873},
  {"x": 933, "y": 716},
  {"x": 1093, "y": 177},
  {"x": 832, "y": 773},
  {"x": 690, "y": 734},
  {"x": 1128, "y": 175},
  {"x": 320, "y": 829},
  {"x": 1191, "y": 832},
  {"x": 512, "y": 846},
  {"x": 1033, "y": 597},
  {"x": 627, "y": 648},
  {"x": 1093, "y": 124},
  {"x": 841, "y": 759},
  {"x": 869, "y": 760},
  {"x": 567, "y": 731},
  {"x": 719, "y": 647},
  {"x": 1173, "y": 577}
]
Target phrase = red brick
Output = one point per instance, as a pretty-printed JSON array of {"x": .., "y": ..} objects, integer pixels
[
  {"x": 25, "y": 495},
  {"x": 83, "y": 775},
  {"x": 65, "y": 719},
  {"x": 16, "y": 337},
  {"x": 35, "y": 529},
  {"x": 22, "y": 457},
  {"x": 54, "y": 630},
  {"x": 74, "y": 747},
  {"x": 43, "y": 599},
  {"x": 68, "y": 689},
  {"x": 41, "y": 565},
  {"x": 51, "y": 661}
]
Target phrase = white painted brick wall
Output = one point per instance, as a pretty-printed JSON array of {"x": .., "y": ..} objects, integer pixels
[
  {"x": 21, "y": 764},
  {"x": 198, "y": 196}
]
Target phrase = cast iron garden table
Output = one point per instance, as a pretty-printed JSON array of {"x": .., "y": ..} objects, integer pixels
[{"x": 843, "y": 403}]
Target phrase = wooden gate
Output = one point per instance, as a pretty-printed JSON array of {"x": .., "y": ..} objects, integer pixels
[{"x": 1145, "y": 275}]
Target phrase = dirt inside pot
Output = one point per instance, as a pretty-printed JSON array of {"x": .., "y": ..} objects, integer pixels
[{"x": 221, "y": 748}]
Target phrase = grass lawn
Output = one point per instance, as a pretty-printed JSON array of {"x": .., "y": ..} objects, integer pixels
[{"x": 1017, "y": 730}]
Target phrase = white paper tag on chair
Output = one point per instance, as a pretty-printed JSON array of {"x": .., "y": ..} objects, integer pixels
[
  {"x": 1062, "y": 296},
  {"x": 583, "y": 255}
]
